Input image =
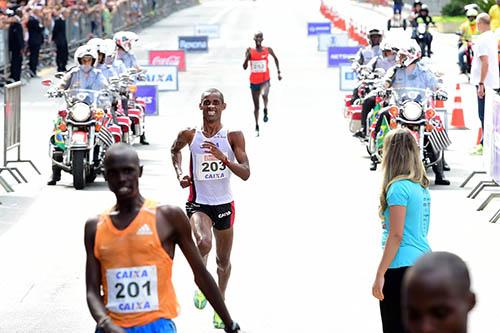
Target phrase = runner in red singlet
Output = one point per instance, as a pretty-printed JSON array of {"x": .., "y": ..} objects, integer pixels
[{"x": 260, "y": 76}]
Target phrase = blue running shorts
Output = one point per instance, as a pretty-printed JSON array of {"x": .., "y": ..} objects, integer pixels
[{"x": 161, "y": 325}]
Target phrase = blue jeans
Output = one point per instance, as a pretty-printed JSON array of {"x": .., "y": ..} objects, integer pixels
[
  {"x": 480, "y": 109},
  {"x": 161, "y": 325},
  {"x": 398, "y": 8}
]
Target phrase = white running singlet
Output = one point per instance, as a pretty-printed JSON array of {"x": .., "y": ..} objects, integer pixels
[{"x": 210, "y": 177}]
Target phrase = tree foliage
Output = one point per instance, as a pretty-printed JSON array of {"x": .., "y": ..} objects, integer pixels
[{"x": 456, "y": 7}]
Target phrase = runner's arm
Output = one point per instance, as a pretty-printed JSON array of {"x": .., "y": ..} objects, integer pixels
[
  {"x": 247, "y": 59},
  {"x": 242, "y": 168},
  {"x": 202, "y": 277},
  {"x": 271, "y": 52},
  {"x": 93, "y": 281},
  {"x": 183, "y": 139}
]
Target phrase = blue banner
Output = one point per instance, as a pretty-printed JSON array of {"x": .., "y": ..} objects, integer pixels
[
  {"x": 338, "y": 55},
  {"x": 348, "y": 78},
  {"x": 317, "y": 28},
  {"x": 149, "y": 94},
  {"x": 193, "y": 43}
]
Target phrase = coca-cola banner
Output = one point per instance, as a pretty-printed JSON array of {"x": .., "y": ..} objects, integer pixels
[{"x": 168, "y": 58}]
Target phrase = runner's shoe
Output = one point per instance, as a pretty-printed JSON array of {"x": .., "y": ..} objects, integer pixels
[
  {"x": 478, "y": 150},
  {"x": 265, "y": 116},
  {"x": 218, "y": 323},
  {"x": 199, "y": 300}
]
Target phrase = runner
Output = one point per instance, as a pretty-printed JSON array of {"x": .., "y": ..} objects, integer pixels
[
  {"x": 260, "y": 76},
  {"x": 437, "y": 295},
  {"x": 210, "y": 204},
  {"x": 130, "y": 251}
]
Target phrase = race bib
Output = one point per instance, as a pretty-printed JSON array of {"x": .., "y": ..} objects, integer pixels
[
  {"x": 132, "y": 289},
  {"x": 210, "y": 168},
  {"x": 259, "y": 66}
]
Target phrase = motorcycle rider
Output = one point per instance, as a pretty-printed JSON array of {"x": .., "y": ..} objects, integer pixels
[
  {"x": 417, "y": 6},
  {"x": 411, "y": 73},
  {"x": 467, "y": 30},
  {"x": 425, "y": 18},
  {"x": 106, "y": 58},
  {"x": 366, "y": 54},
  {"x": 385, "y": 61},
  {"x": 124, "y": 42},
  {"x": 83, "y": 76}
]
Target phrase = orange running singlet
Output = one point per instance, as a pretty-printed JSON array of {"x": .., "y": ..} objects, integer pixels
[
  {"x": 136, "y": 271},
  {"x": 259, "y": 66}
]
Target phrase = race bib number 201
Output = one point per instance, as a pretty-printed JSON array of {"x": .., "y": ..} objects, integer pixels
[
  {"x": 210, "y": 168},
  {"x": 259, "y": 66},
  {"x": 132, "y": 289}
]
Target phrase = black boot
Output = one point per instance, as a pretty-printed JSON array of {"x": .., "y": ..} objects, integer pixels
[
  {"x": 143, "y": 140},
  {"x": 56, "y": 171},
  {"x": 438, "y": 171}
]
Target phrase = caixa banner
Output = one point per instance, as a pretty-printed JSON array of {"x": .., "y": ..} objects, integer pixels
[
  {"x": 168, "y": 58},
  {"x": 165, "y": 77},
  {"x": 193, "y": 43}
]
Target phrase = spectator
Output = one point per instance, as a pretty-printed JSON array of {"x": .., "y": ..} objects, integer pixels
[
  {"x": 495, "y": 16},
  {"x": 59, "y": 38},
  {"x": 35, "y": 40},
  {"x": 107, "y": 16},
  {"x": 16, "y": 45},
  {"x": 484, "y": 71}
]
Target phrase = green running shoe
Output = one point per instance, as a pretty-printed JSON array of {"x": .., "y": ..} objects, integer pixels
[
  {"x": 218, "y": 323},
  {"x": 199, "y": 300}
]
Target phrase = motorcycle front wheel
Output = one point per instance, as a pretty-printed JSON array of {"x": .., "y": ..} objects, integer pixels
[{"x": 78, "y": 170}]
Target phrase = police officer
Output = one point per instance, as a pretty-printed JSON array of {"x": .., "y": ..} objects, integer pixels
[
  {"x": 16, "y": 44},
  {"x": 385, "y": 61},
  {"x": 366, "y": 54},
  {"x": 467, "y": 30},
  {"x": 411, "y": 73},
  {"x": 59, "y": 38},
  {"x": 35, "y": 40},
  {"x": 84, "y": 76},
  {"x": 124, "y": 41}
]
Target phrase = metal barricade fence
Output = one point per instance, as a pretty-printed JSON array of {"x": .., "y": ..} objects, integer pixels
[{"x": 12, "y": 131}]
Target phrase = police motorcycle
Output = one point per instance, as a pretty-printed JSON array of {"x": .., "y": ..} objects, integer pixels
[
  {"x": 80, "y": 133},
  {"x": 367, "y": 81},
  {"x": 422, "y": 37},
  {"x": 412, "y": 108},
  {"x": 130, "y": 112}
]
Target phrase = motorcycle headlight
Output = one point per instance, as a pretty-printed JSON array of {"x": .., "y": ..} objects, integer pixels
[
  {"x": 80, "y": 112},
  {"x": 412, "y": 111}
]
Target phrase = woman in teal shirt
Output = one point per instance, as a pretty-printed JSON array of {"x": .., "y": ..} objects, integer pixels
[{"x": 405, "y": 211}]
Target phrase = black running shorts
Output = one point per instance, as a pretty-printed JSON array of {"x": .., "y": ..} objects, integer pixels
[{"x": 222, "y": 216}]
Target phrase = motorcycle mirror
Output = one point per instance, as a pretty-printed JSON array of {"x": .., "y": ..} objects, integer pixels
[
  {"x": 47, "y": 82},
  {"x": 59, "y": 75}
]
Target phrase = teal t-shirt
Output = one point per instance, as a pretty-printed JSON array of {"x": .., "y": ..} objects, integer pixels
[{"x": 417, "y": 201}]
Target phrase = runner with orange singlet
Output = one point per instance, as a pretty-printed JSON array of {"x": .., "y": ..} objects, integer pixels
[
  {"x": 130, "y": 251},
  {"x": 260, "y": 76}
]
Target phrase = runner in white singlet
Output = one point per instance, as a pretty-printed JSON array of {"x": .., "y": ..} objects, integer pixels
[{"x": 216, "y": 153}]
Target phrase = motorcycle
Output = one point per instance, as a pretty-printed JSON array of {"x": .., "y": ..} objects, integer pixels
[
  {"x": 81, "y": 135},
  {"x": 397, "y": 21},
  {"x": 468, "y": 53},
  {"x": 412, "y": 108},
  {"x": 422, "y": 37}
]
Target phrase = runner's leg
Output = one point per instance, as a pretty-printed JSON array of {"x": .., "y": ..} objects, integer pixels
[
  {"x": 202, "y": 230},
  {"x": 223, "y": 246},
  {"x": 265, "y": 98},
  {"x": 255, "y": 97}
]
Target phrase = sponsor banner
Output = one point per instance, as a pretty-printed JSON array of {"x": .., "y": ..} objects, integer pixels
[
  {"x": 148, "y": 93},
  {"x": 348, "y": 78},
  {"x": 165, "y": 77},
  {"x": 317, "y": 28},
  {"x": 193, "y": 43},
  {"x": 210, "y": 30},
  {"x": 168, "y": 58},
  {"x": 339, "y": 55},
  {"x": 495, "y": 138},
  {"x": 335, "y": 39}
]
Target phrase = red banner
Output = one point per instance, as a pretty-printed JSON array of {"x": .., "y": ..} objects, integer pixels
[{"x": 172, "y": 58}]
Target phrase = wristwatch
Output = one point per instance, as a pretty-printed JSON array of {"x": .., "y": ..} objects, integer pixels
[
  {"x": 233, "y": 329},
  {"x": 481, "y": 83}
]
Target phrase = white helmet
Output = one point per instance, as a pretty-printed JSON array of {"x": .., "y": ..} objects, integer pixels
[
  {"x": 409, "y": 53},
  {"x": 471, "y": 12},
  {"x": 108, "y": 47},
  {"x": 386, "y": 46},
  {"x": 83, "y": 51},
  {"x": 124, "y": 39},
  {"x": 95, "y": 43}
]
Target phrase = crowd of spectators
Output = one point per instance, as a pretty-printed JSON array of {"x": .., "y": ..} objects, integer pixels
[{"x": 36, "y": 24}]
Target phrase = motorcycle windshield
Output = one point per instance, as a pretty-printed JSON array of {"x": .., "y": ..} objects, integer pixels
[
  {"x": 404, "y": 95},
  {"x": 95, "y": 98}
]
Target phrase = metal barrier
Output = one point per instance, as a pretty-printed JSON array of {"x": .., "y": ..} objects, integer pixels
[{"x": 12, "y": 131}]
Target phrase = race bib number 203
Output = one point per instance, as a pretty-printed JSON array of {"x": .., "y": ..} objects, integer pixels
[
  {"x": 210, "y": 168},
  {"x": 132, "y": 289}
]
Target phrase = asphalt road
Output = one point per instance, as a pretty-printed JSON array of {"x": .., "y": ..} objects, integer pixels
[{"x": 307, "y": 234}]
